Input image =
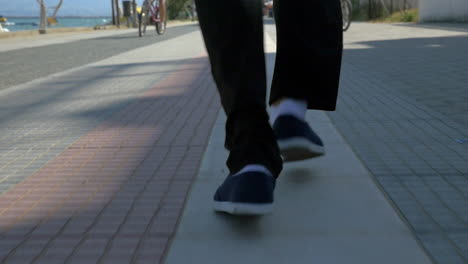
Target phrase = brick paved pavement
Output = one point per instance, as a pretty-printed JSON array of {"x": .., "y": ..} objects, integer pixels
[
  {"x": 96, "y": 162},
  {"x": 36, "y": 126},
  {"x": 110, "y": 150},
  {"x": 403, "y": 108}
]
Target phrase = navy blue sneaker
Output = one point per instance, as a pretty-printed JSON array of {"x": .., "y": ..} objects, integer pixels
[
  {"x": 296, "y": 140},
  {"x": 249, "y": 193}
]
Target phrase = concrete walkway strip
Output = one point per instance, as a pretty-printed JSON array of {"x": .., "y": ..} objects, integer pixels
[
  {"x": 328, "y": 210},
  {"x": 59, "y": 38},
  {"x": 16, "y": 43}
]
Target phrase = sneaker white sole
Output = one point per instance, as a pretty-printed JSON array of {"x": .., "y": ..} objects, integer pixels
[
  {"x": 243, "y": 208},
  {"x": 295, "y": 149}
]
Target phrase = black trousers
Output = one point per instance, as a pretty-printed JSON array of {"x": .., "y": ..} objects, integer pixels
[{"x": 308, "y": 62}]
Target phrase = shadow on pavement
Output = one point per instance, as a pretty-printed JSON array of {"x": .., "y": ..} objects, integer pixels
[
  {"x": 457, "y": 27},
  {"x": 430, "y": 71},
  {"x": 168, "y": 92},
  {"x": 143, "y": 153},
  {"x": 402, "y": 106},
  {"x": 187, "y": 112},
  {"x": 28, "y": 64}
]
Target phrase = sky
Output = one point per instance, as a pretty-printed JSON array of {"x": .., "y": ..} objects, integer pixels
[{"x": 69, "y": 7}]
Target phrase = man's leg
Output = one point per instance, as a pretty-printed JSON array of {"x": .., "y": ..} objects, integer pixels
[
  {"x": 309, "y": 49},
  {"x": 307, "y": 71},
  {"x": 163, "y": 9},
  {"x": 233, "y": 34}
]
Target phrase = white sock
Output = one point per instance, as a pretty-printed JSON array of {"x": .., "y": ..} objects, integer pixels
[
  {"x": 254, "y": 168},
  {"x": 289, "y": 106}
]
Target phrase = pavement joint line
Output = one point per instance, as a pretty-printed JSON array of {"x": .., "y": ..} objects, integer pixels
[
  {"x": 152, "y": 220},
  {"x": 422, "y": 208}
]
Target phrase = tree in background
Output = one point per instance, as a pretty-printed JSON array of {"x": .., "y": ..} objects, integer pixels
[
  {"x": 374, "y": 9},
  {"x": 42, "y": 17},
  {"x": 176, "y": 6}
]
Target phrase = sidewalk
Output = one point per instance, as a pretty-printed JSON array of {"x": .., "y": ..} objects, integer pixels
[
  {"x": 30, "y": 41},
  {"x": 96, "y": 166},
  {"x": 117, "y": 161},
  {"x": 328, "y": 210},
  {"x": 21, "y": 42}
]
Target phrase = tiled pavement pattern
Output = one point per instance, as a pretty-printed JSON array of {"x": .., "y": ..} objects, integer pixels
[
  {"x": 41, "y": 118},
  {"x": 127, "y": 137},
  {"x": 403, "y": 107},
  {"x": 107, "y": 196}
]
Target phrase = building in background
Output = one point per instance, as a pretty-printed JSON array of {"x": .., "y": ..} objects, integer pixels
[
  {"x": 443, "y": 10},
  {"x": 429, "y": 10}
]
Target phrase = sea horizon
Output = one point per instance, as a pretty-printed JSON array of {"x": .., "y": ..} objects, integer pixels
[
  {"x": 21, "y": 23},
  {"x": 57, "y": 16}
]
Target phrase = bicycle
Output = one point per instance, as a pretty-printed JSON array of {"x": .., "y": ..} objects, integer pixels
[
  {"x": 151, "y": 14},
  {"x": 346, "y": 10}
]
